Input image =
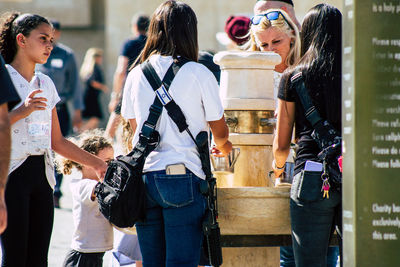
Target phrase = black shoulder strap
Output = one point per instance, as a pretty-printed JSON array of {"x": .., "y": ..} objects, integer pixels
[
  {"x": 156, "y": 108},
  {"x": 311, "y": 112},
  {"x": 174, "y": 111},
  {"x": 161, "y": 91},
  {"x": 149, "y": 137}
]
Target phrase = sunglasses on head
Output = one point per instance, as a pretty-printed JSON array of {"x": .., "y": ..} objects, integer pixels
[{"x": 273, "y": 15}]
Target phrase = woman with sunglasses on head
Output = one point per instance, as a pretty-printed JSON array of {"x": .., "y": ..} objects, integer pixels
[
  {"x": 273, "y": 30},
  {"x": 313, "y": 219},
  {"x": 27, "y": 40},
  {"x": 172, "y": 232}
]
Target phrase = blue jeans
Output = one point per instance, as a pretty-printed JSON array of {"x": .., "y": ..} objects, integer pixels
[
  {"x": 287, "y": 257},
  {"x": 172, "y": 233}
]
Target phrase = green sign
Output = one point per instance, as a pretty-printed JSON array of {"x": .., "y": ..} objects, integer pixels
[{"x": 371, "y": 131}]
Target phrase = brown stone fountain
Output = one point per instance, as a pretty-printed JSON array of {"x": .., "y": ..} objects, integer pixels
[{"x": 250, "y": 208}]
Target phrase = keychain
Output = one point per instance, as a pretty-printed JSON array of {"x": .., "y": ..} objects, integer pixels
[
  {"x": 325, "y": 186},
  {"x": 325, "y": 183}
]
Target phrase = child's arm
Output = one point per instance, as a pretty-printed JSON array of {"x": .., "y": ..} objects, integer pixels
[
  {"x": 30, "y": 104},
  {"x": 69, "y": 150},
  {"x": 93, "y": 196}
]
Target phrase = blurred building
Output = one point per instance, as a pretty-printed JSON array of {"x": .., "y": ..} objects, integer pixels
[{"x": 106, "y": 23}]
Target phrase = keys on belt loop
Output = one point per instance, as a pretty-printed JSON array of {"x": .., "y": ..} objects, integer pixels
[{"x": 325, "y": 183}]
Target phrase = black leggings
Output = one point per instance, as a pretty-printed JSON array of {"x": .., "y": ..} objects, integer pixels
[{"x": 29, "y": 200}]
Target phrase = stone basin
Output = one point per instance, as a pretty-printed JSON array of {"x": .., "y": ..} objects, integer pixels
[{"x": 254, "y": 210}]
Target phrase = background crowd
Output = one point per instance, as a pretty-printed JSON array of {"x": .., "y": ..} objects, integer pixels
[{"x": 41, "y": 81}]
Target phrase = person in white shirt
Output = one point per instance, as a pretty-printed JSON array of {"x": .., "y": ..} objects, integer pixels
[
  {"x": 172, "y": 232},
  {"x": 26, "y": 40},
  {"x": 93, "y": 233}
]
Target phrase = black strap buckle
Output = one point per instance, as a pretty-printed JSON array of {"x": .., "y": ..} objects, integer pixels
[{"x": 147, "y": 129}]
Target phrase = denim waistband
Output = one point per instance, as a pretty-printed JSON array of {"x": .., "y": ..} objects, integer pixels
[{"x": 164, "y": 172}]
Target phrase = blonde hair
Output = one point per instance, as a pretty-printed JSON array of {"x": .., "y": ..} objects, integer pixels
[
  {"x": 89, "y": 61},
  {"x": 285, "y": 25},
  {"x": 92, "y": 141},
  {"x": 127, "y": 135}
]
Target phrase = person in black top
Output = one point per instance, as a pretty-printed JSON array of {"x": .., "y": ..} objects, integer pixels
[
  {"x": 131, "y": 49},
  {"x": 313, "y": 222},
  {"x": 206, "y": 58},
  {"x": 8, "y": 99},
  {"x": 93, "y": 78}
]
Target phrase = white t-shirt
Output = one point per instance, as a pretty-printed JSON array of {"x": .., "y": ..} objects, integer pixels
[
  {"x": 92, "y": 231},
  {"x": 26, "y": 132},
  {"x": 195, "y": 90}
]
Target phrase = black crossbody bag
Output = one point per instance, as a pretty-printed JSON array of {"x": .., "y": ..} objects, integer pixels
[
  {"x": 122, "y": 195},
  {"x": 211, "y": 228},
  {"x": 327, "y": 137}
]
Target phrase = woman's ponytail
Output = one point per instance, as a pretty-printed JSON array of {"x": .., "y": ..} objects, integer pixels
[{"x": 8, "y": 46}]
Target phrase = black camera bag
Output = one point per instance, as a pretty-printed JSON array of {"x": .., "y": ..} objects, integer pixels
[{"x": 122, "y": 195}]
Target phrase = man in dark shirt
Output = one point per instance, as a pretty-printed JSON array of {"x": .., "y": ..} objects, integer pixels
[
  {"x": 8, "y": 99},
  {"x": 130, "y": 51},
  {"x": 62, "y": 69}
]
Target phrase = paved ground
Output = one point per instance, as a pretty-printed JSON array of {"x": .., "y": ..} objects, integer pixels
[{"x": 62, "y": 231}]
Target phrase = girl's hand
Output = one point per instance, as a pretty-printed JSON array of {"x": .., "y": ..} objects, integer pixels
[
  {"x": 277, "y": 170},
  {"x": 32, "y": 104},
  {"x": 101, "y": 170},
  {"x": 223, "y": 150}
]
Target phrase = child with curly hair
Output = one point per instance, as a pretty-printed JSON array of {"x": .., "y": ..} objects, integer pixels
[{"x": 93, "y": 234}]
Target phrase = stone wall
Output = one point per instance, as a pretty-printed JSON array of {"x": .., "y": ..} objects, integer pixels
[
  {"x": 82, "y": 23},
  {"x": 69, "y": 12}
]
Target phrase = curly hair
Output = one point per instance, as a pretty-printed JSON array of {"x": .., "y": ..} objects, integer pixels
[
  {"x": 127, "y": 135},
  {"x": 92, "y": 141},
  {"x": 12, "y": 24}
]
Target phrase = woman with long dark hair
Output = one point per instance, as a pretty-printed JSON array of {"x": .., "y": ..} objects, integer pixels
[
  {"x": 172, "y": 232},
  {"x": 313, "y": 222}
]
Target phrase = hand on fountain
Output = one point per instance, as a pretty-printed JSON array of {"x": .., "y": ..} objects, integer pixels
[
  {"x": 223, "y": 150},
  {"x": 278, "y": 172}
]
